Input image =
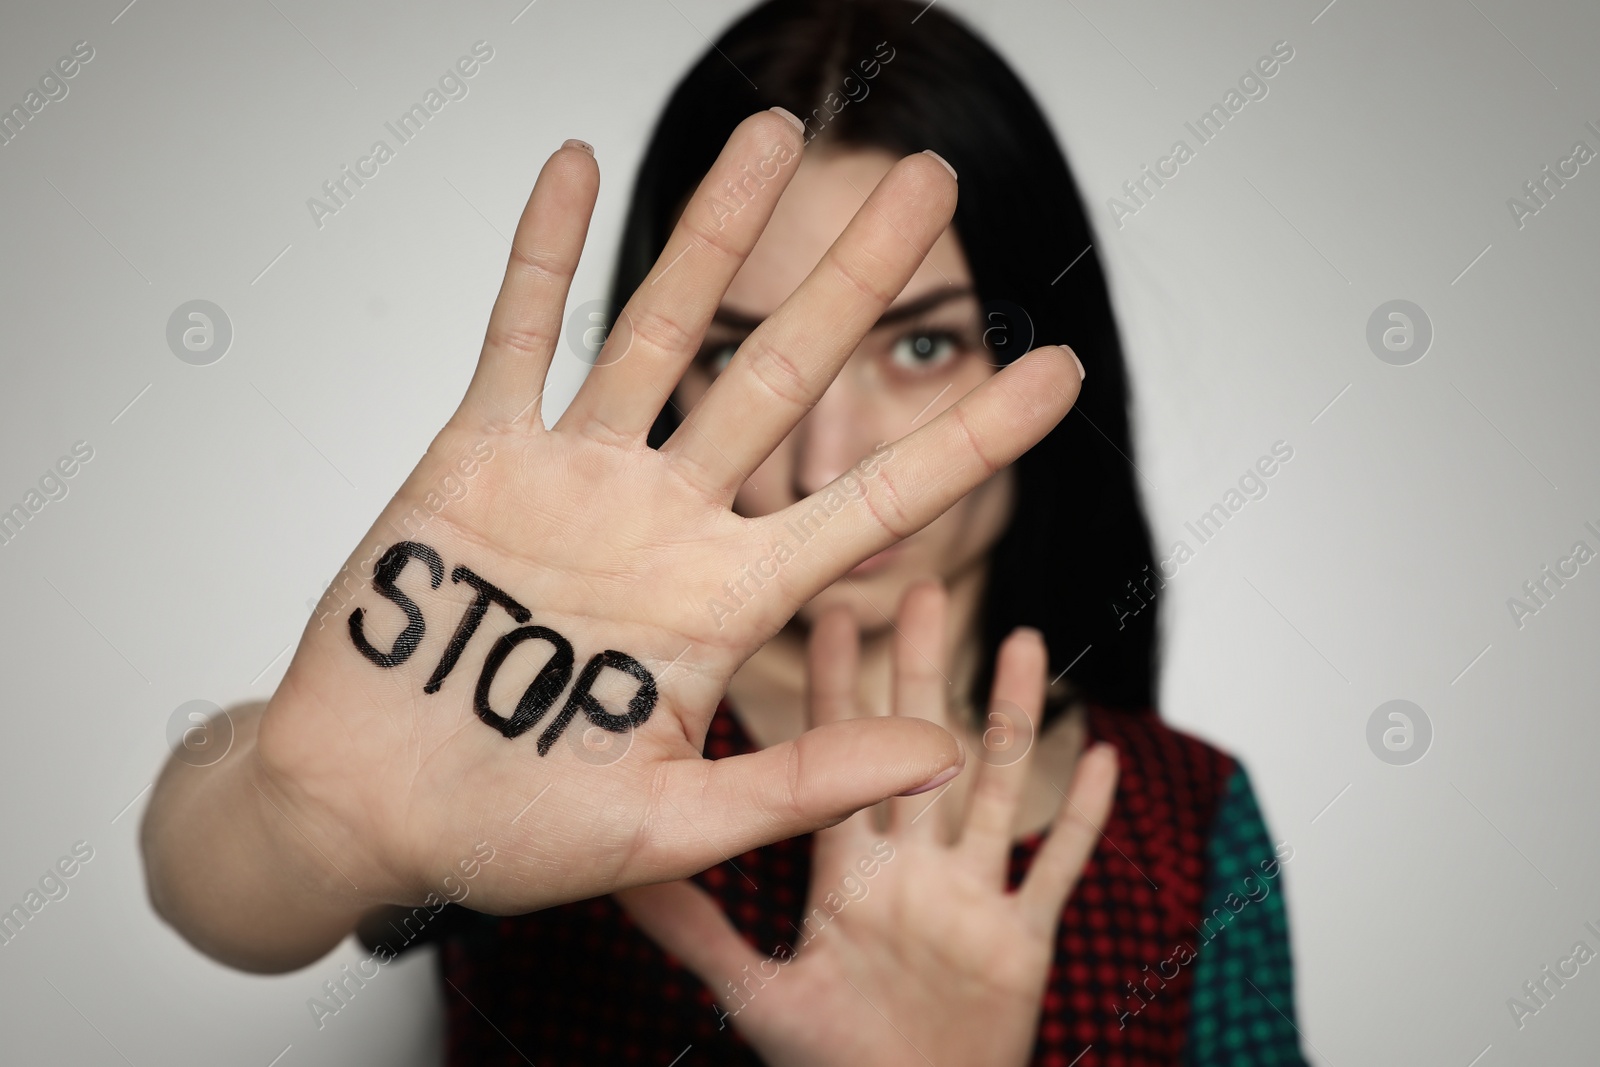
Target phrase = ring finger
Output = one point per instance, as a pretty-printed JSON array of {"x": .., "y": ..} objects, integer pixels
[
  {"x": 660, "y": 327},
  {"x": 788, "y": 362}
]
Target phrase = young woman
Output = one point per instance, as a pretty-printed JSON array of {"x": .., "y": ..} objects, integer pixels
[
  {"x": 811, "y": 328},
  {"x": 1174, "y": 946}
]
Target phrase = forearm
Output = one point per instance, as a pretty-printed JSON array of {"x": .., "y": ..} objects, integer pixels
[{"x": 226, "y": 867}]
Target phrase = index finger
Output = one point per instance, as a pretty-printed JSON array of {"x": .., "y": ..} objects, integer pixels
[
  {"x": 897, "y": 490},
  {"x": 833, "y": 655}
]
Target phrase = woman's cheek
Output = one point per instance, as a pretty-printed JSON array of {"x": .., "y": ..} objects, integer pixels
[
  {"x": 975, "y": 523},
  {"x": 762, "y": 493}
]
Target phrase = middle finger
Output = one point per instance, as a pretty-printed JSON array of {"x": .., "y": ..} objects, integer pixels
[
  {"x": 921, "y": 690},
  {"x": 788, "y": 362},
  {"x": 660, "y": 327}
]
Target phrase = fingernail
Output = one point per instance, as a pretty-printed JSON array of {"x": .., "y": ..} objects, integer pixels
[
  {"x": 573, "y": 142},
  {"x": 1082, "y": 374},
  {"x": 935, "y": 782},
  {"x": 942, "y": 160},
  {"x": 789, "y": 117}
]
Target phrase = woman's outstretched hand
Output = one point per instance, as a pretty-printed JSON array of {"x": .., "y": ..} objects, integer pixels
[
  {"x": 531, "y": 670},
  {"x": 912, "y": 949}
]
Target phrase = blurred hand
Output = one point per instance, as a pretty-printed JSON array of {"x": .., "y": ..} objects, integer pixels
[{"x": 912, "y": 950}]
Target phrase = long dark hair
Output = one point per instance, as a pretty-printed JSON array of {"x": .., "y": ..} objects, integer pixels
[{"x": 1078, "y": 535}]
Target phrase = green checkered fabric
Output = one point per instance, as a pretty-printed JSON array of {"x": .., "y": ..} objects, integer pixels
[{"x": 1242, "y": 1009}]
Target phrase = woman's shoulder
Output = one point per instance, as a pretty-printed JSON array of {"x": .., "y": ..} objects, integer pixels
[
  {"x": 1183, "y": 800},
  {"x": 1159, "y": 759}
]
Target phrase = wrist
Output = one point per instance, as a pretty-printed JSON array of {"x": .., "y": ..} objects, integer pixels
[
  {"x": 229, "y": 873},
  {"x": 316, "y": 875}
]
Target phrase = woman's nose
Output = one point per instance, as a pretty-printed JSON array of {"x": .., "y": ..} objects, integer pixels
[{"x": 829, "y": 439}]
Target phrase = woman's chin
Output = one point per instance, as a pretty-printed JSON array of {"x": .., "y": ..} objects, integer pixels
[
  {"x": 871, "y": 594},
  {"x": 877, "y": 564}
]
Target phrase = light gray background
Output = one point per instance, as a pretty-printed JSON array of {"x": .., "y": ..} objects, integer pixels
[{"x": 1379, "y": 565}]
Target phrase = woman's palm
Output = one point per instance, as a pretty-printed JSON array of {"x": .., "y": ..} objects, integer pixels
[
  {"x": 946, "y": 947},
  {"x": 580, "y": 560},
  {"x": 913, "y": 949}
]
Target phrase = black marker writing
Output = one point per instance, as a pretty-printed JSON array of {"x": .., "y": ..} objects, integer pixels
[
  {"x": 639, "y": 708},
  {"x": 541, "y": 692},
  {"x": 469, "y": 622},
  {"x": 547, "y": 685},
  {"x": 383, "y": 575}
]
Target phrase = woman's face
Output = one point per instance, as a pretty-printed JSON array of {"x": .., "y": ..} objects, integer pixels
[{"x": 925, "y": 353}]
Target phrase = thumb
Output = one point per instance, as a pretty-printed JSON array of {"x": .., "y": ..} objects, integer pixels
[
  {"x": 684, "y": 920},
  {"x": 710, "y": 810}
]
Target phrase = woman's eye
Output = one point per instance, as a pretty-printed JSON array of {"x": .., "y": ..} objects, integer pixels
[
  {"x": 716, "y": 358},
  {"x": 919, "y": 351}
]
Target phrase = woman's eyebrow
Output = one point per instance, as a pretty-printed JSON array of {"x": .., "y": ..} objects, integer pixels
[{"x": 909, "y": 310}]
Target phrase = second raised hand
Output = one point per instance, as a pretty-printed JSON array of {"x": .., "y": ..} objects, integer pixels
[
  {"x": 912, "y": 948},
  {"x": 567, "y": 590}
]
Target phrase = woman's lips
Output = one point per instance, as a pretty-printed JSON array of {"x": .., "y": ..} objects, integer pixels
[{"x": 875, "y": 563}]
